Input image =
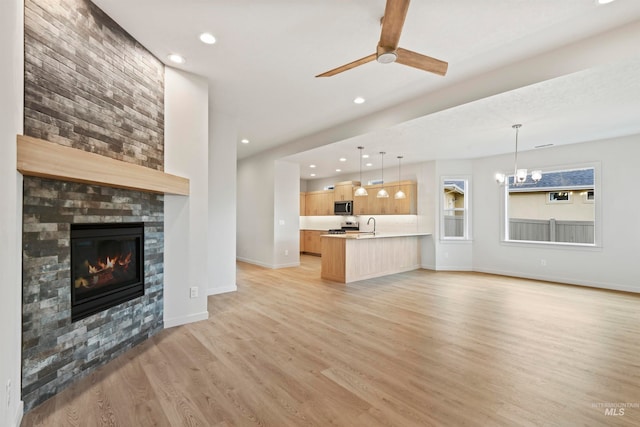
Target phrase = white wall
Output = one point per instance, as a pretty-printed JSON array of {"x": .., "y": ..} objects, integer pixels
[
  {"x": 426, "y": 178},
  {"x": 186, "y": 217},
  {"x": 286, "y": 215},
  {"x": 223, "y": 137},
  {"x": 613, "y": 265},
  {"x": 254, "y": 230},
  {"x": 11, "y": 102}
]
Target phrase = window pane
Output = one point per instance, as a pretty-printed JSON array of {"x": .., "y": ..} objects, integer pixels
[
  {"x": 454, "y": 208},
  {"x": 555, "y": 209}
]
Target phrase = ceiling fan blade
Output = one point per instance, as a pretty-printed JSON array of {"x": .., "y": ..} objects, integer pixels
[
  {"x": 422, "y": 62},
  {"x": 395, "y": 13},
  {"x": 348, "y": 66}
]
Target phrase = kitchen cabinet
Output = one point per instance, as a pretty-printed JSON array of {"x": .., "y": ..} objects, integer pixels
[
  {"x": 319, "y": 203},
  {"x": 361, "y": 205},
  {"x": 303, "y": 204},
  {"x": 389, "y": 205},
  {"x": 312, "y": 242},
  {"x": 406, "y": 206},
  {"x": 375, "y": 205},
  {"x": 344, "y": 190},
  {"x": 302, "y": 241}
]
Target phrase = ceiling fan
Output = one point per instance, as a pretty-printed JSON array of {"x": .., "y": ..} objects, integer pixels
[{"x": 388, "y": 51}]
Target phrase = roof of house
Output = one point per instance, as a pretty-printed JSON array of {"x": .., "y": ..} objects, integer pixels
[
  {"x": 568, "y": 179},
  {"x": 455, "y": 185}
]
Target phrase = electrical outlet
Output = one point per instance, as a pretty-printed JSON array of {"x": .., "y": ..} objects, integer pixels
[
  {"x": 194, "y": 292},
  {"x": 286, "y": 252},
  {"x": 543, "y": 262},
  {"x": 8, "y": 393}
]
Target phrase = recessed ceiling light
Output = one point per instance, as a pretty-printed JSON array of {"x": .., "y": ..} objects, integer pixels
[
  {"x": 369, "y": 164},
  {"x": 207, "y": 38},
  {"x": 342, "y": 159},
  {"x": 174, "y": 57},
  {"x": 244, "y": 141},
  {"x": 338, "y": 170},
  {"x": 312, "y": 166},
  {"x": 358, "y": 100},
  {"x": 365, "y": 156},
  {"x": 605, "y": 1},
  {"x": 313, "y": 174}
]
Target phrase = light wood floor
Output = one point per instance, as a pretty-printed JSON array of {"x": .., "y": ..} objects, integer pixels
[{"x": 413, "y": 349}]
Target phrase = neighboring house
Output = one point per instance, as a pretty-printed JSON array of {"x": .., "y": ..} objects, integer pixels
[
  {"x": 453, "y": 208},
  {"x": 560, "y": 207},
  {"x": 453, "y": 197}
]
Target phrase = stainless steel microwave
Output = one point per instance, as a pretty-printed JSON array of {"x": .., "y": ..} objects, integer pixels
[{"x": 343, "y": 207}]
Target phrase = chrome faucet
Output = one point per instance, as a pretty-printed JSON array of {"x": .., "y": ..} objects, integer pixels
[{"x": 374, "y": 223}]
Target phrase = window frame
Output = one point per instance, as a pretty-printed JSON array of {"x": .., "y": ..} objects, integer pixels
[
  {"x": 598, "y": 225},
  {"x": 466, "y": 210},
  {"x": 551, "y": 201}
]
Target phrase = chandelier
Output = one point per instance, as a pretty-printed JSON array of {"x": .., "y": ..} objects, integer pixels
[{"x": 519, "y": 175}]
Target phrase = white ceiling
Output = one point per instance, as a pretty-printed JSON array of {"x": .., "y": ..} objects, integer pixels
[{"x": 261, "y": 71}]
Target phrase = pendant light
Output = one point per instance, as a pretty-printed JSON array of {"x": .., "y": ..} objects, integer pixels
[
  {"x": 519, "y": 175},
  {"x": 382, "y": 193},
  {"x": 361, "y": 191},
  {"x": 399, "y": 194}
]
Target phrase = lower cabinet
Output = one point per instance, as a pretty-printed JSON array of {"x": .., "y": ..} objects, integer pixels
[{"x": 310, "y": 242}]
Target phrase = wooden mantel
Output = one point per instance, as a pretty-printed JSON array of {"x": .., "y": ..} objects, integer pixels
[{"x": 37, "y": 157}]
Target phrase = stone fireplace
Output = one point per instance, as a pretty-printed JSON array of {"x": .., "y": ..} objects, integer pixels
[
  {"x": 55, "y": 349},
  {"x": 89, "y": 86}
]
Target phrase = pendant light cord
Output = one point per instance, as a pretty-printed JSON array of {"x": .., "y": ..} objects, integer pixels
[
  {"x": 515, "y": 159},
  {"x": 360, "y": 148}
]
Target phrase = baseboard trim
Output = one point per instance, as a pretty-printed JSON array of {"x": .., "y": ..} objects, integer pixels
[
  {"x": 561, "y": 280},
  {"x": 19, "y": 414},
  {"x": 293, "y": 264},
  {"x": 222, "y": 290},
  {"x": 254, "y": 262},
  {"x": 265, "y": 265},
  {"x": 170, "y": 323}
]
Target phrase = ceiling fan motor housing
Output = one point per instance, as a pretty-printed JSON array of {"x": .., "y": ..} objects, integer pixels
[{"x": 386, "y": 56}]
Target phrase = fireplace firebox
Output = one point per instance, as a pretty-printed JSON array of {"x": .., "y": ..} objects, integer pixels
[{"x": 107, "y": 266}]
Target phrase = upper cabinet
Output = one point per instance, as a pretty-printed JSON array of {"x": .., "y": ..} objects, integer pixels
[
  {"x": 319, "y": 203},
  {"x": 389, "y": 205},
  {"x": 344, "y": 190},
  {"x": 406, "y": 206},
  {"x": 303, "y": 204},
  {"x": 361, "y": 205}
]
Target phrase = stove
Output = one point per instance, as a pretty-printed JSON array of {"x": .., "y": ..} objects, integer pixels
[{"x": 345, "y": 226}]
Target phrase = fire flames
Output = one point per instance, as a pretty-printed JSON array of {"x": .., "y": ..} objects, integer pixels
[{"x": 104, "y": 271}]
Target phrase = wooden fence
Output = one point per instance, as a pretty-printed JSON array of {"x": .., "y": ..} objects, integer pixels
[
  {"x": 551, "y": 230},
  {"x": 453, "y": 226}
]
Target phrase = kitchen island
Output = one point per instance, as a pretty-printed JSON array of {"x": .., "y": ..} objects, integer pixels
[{"x": 356, "y": 256}]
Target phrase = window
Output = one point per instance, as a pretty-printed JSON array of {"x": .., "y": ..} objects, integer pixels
[
  {"x": 590, "y": 196},
  {"x": 547, "y": 211},
  {"x": 559, "y": 196},
  {"x": 455, "y": 205}
]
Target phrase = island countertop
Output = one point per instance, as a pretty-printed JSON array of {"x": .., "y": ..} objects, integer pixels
[
  {"x": 377, "y": 235},
  {"x": 356, "y": 256}
]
